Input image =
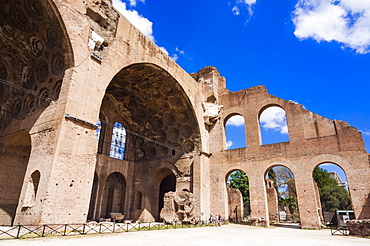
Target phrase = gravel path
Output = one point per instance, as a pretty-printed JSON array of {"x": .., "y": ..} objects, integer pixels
[{"x": 225, "y": 235}]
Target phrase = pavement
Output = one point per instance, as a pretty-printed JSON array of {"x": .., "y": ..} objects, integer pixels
[{"x": 230, "y": 234}]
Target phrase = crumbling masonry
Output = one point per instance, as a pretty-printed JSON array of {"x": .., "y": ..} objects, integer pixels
[{"x": 67, "y": 63}]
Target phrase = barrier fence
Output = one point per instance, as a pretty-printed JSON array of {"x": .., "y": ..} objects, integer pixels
[{"x": 33, "y": 231}]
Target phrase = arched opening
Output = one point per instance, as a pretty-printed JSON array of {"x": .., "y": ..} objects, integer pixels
[
  {"x": 117, "y": 147},
  {"x": 13, "y": 166},
  {"x": 114, "y": 195},
  {"x": 93, "y": 197},
  {"x": 168, "y": 184},
  {"x": 235, "y": 132},
  {"x": 160, "y": 127},
  {"x": 331, "y": 183},
  {"x": 273, "y": 125},
  {"x": 31, "y": 190},
  {"x": 237, "y": 185},
  {"x": 138, "y": 200},
  {"x": 281, "y": 195},
  {"x": 35, "y": 179}
]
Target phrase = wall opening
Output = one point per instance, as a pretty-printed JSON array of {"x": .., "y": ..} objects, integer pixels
[
  {"x": 168, "y": 184},
  {"x": 237, "y": 185},
  {"x": 117, "y": 147},
  {"x": 13, "y": 166},
  {"x": 273, "y": 125},
  {"x": 235, "y": 132},
  {"x": 331, "y": 184},
  {"x": 138, "y": 200},
  {"x": 281, "y": 195},
  {"x": 114, "y": 195}
]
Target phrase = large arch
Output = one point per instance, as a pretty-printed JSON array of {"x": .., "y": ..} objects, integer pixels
[
  {"x": 35, "y": 52},
  {"x": 161, "y": 128}
]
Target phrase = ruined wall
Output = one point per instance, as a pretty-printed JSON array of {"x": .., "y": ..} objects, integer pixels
[
  {"x": 313, "y": 140},
  {"x": 92, "y": 63},
  {"x": 235, "y": 204}
]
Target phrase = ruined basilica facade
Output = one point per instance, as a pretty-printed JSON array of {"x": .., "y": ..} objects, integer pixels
[{"x": 71, "y": 70}]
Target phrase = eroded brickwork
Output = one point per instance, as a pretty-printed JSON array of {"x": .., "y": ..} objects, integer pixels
[{"x": 75, "y": 62}]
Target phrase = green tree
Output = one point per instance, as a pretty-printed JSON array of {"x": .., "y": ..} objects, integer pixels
[
  {"x": 322, "y": 178},
  {"x": 291, "y": 203},
  {"x": 239, "y": 180},
  {"x": 332, "y": 196}
]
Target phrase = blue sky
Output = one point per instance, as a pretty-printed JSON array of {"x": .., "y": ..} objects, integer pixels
[{"x": 314, "y": 52}]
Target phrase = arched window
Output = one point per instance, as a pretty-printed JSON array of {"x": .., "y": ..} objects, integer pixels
[
  {"x": 117, "y": 147},
  {"x": 273, "y": 125},
  {"x": 235, "y": 132}
]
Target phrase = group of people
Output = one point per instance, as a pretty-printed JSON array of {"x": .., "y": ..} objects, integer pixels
[{"x": 216, "y": 220}]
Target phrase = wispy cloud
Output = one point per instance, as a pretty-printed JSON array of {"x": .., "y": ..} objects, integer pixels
[
  {"x": 236, "y": 10},
  {"x": 344, "y": 21},
  {"x": 229, "y": 144},
  {"x": 181, "y": 52},
  {"x": 134, "y": 2},
  {"x": 236, "y": 120},
  {"x": 365, "y": 132},
  {"x": 249, "y": 4},
  {"x": 175, "y": 57},
  {"x": 274, "y": 118}
]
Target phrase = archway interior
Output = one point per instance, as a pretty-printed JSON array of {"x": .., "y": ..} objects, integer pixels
[
  {"x": 114, "y": 195},
  {"x": 13, "y": 165},
  {"x": 273, "y": 125},
  {"x": 160, "y": 127},
  {"x": 34, "y": 54},
  {"x": 158, "y": 118},
  {"x": 331, "y": 183},
  {"x": 281, "y": 195},
  {"x": 235, "y": 132},
  {"x": 237, "y": 184},
  {"x": 168, "y": 184}
]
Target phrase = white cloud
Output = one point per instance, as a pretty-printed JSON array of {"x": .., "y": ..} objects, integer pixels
[
  {"x": 365, "y": 132},
  {"x": 248, "y": 2},
  {"x": 164, "y": 50},
  {"x": 273, "y": 118},
  {"x": 229, "y": 144},
  {"x": 140, "y": 22},
  {"x": 181, "y": 52},
  {"x": 240, "y": 3},
  {"x": 236, "y": 10},
  {"x": 134, "y": 2},
  {"x": 344, "y": 21},
  {"x": 175, "y": 57},
  {"x": 236, "y": 120}
]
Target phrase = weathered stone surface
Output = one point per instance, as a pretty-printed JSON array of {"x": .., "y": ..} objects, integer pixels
[
  {"x": 359, "y": 227},
  {"x": 46, "y": 49},
  {"x": 180, "y": 207}
]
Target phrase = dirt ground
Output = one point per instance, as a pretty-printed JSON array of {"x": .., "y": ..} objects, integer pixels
[{"x": 226, "y": 235}]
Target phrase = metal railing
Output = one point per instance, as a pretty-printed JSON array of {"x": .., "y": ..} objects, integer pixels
[{"x": 33, "y": 231}]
